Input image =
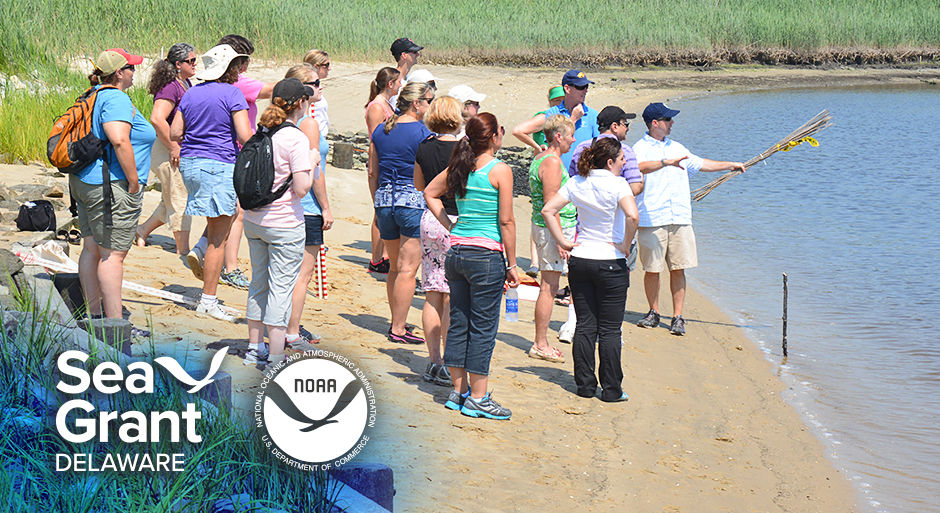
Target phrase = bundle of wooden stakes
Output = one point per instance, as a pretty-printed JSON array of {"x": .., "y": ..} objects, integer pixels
[{"x": 798, "y": 136}]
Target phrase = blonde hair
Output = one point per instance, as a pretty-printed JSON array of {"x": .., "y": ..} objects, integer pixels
[
  {"x": 316, "y": 57},
  {"x": 557, "y": 124},
  {"x": 304, "y": 72},
  {"x": 406, "y": 98},
  {"x": 445, "y": 115}
]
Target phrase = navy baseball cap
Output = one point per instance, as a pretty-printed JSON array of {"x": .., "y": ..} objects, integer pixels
[
  {"x": 575, "y": 77},
  {"x": 656, "y": 111}
]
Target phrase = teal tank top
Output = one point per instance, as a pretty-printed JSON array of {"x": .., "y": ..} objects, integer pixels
[{"x": 479, "y": 209}]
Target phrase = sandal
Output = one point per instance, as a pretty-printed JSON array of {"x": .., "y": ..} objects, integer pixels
[
  {"x": 62, "y": 235},
  {"x": 74, "y": 237},
  {"x": 553, "y": 354}
]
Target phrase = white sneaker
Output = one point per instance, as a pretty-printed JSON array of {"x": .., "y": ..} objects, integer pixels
[
  {"x": 566, "y": 332},
  {"x": 195, "y": 258},
  {"x": 216, "y": 311},
  {"x": 259, "y": 355}
]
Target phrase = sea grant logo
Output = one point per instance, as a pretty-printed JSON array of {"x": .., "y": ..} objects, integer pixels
[
  {"x": 313, "y": 409},
  {"x": 77, "y": 423}
]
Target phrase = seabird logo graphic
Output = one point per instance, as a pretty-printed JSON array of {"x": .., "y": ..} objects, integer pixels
[
  {"x": 174, "y": 368},
  {"x": 282, "y": 400},
  {"x": 314, "y": 408}
]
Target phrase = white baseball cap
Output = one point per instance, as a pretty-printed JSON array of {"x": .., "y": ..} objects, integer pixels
[
  {"x": 421, "y": 75},
  {"x": 465, "y": 94}
]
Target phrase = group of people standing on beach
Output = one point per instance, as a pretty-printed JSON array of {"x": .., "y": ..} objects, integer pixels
[{"x": 442, "y": 202}]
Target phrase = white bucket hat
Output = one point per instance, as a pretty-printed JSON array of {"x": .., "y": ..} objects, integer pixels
[{"x": 216, "y": 61}]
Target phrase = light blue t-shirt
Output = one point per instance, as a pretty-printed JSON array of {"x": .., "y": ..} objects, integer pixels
[
  {"x": 584, "y": 129},
  {"x": 115, "y": 105}
]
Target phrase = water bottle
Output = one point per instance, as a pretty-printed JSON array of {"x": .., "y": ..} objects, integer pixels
[{"x": 512, "y": 305}]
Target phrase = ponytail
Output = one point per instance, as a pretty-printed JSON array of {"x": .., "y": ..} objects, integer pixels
[
  {"x": 597, "y": 155},
  {"x": 384, "y": 77},
  {"x": 277, "y": 112},
  {"x": 411, "y": 92},
  {"x": 480, "y": 131}
]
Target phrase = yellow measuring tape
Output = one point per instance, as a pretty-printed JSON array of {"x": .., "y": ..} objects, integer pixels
[{"x": 793, "y": 144}]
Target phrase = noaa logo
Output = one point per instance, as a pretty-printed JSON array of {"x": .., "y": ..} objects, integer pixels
[{"x": 314, "y": 408}]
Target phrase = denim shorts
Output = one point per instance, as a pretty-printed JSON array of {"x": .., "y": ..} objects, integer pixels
[
  {"x": 313, "y": 226},
  {"x": 210, "y": 186},
  {"x": 475, "y": 276},
  {"x": 395, "y": 222}
]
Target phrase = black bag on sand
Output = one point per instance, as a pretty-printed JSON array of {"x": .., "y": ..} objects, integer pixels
[
  {"x": 254, "y": 170},
  {"x": 36, "y": 216}
]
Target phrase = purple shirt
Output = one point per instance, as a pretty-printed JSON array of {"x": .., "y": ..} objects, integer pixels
[
  {"x": 630, "y": 171},
  {"x": 173, "y": 93},
  {"x": 210, "y": 130}
]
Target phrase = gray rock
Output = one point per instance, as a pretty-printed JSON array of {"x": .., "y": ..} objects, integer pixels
[
  {"x": 10, "y": 264},
  {"x": 6, "y": 193},
  {"x": 54, "y": 192}
]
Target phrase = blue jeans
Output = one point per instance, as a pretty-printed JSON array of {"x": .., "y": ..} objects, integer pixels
[
  {"x": 599, "y": 292},
  {"x": 476, "y": 277}
]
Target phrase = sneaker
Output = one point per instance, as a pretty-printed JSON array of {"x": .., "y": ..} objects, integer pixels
[
  {"x": 381, "y": 267},
  {"x": 566, "y": 332},
  {"x": 235, "y": 279},
  {"x": 407, "y": 338},
  {"x": 485, "y": 407},
  {"x": 256, "y": 356},
  {"x": 215, "y": 311},
  {"x": 439, "y": 375},
  {"x": 623, "y": 398},
  {"x": 454, "y": 401},
  {"x": 139, "y": 332},
  {"x": 678, "y": 326},
  {"x": 533, "y": 271},
  {"x": 650, "y": 321},
  {"x": 300, "y": 344},
  {"x": 195, "y": 258},
  {"x": 313, "y": 338}
]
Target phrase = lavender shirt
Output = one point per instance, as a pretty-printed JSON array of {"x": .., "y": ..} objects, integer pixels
[
  {"x": 210, "y": 130},
  {"x": 630, "y": 171},
  {"x": 173, "y": 93}
]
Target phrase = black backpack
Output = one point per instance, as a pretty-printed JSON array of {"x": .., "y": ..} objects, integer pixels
[
  {"x": 36, "y": 216},
  {"x": 254, "y": 170}
]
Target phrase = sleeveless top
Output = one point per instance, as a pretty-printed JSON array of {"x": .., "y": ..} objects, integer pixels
[
  {"x": 479, "y": 210},
  {"x": 568, "y": 213},
  {"x": 385, "y": 106},
  {"x": 309, "y": 201}
]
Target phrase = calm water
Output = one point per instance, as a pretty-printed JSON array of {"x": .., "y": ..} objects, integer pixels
[{"x": 855, "y": 224}]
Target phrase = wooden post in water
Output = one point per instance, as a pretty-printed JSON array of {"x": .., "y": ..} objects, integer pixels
[{"x": 784, "y": 315}]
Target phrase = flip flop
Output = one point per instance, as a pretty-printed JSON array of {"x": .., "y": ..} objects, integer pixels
[
  {"x": 553, "y": 354},
  {"x": 62, "y": 235},
  {"x": 74, "y": 237}
]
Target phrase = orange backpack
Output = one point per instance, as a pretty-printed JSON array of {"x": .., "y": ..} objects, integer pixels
[{"x": 72, "y": 145}]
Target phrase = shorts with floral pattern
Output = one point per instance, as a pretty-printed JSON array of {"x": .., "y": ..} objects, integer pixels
[{"x": 435, "y": 241}]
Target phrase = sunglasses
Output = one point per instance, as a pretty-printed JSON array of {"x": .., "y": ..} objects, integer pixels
[
  {"x": 502, "y": 130},
  {"x": 324, "y": 65},
  {"x": 664, "y": 119},
  {"x": 472, "y": 104},
  {"x": 191, "y": 62},
  {"x": 130, "y": 67},
  {"x": 315, "y": 83},
  {"x": 580, "y": 88},
  {"x": 429, "y": 100}
]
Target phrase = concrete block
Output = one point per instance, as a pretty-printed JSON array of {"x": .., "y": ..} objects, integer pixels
[
  {"x": 114, "y": 332},
  {"x": 373, "y": 480}
]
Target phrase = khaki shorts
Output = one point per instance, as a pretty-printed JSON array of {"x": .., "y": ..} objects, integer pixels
[
  {"x": 173, "y": 204},
  {"x": 125, "y": 212},
  {"x": 547, "y": 249},
  {"x": 673, "y": 244}
]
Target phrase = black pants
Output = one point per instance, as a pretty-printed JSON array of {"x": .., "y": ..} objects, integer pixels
[{"x": 599, "y": 292}]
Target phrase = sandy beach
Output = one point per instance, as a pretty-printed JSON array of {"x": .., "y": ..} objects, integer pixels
[{"x": 705, "y": 428}]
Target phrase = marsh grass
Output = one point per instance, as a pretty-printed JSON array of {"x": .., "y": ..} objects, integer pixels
[
  {"x": 366, "y": 28},
  {"x": 230, "y": 459}
]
